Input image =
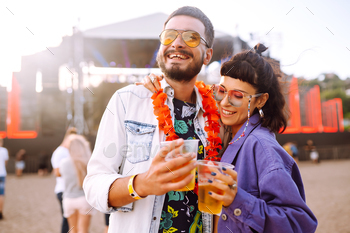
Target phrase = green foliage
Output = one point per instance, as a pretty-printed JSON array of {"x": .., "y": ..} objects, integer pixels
[
  {"x": 338, "y": 93},
  {"x": 333, "y": 93},
  {"x": 331, "y": 87},
  {"x": 347, "y": 115},
  {"x": 334, "y": 83}
]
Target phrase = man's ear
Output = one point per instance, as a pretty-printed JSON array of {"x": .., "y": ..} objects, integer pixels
[
  {"x": 208, "y": 55},
  {"x": 262, "y": 100}
]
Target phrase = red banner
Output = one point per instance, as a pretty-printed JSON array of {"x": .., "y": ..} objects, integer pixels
[{"x": 13, "y": 114}]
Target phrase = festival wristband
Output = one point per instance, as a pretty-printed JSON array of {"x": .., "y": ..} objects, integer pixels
[{"x": 131, "y": 189}]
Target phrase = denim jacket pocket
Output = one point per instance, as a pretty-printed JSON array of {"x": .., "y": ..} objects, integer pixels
[{"x": 139, "y": 140}]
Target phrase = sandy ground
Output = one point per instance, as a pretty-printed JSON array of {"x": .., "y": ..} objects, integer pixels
[
  {"x": 327, "y": 188},
  {"x": 31, "y": 206}
]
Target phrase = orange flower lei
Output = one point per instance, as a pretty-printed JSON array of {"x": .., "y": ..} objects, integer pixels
[{"x": 212, "y": 127}]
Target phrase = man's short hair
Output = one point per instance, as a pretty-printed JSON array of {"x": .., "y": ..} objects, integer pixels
[{"x": 198, "y": 14}]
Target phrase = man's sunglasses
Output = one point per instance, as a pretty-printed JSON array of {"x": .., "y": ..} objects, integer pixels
[
  {"x": 235, "y": 97},
  {"x": 191, "y": 38}
]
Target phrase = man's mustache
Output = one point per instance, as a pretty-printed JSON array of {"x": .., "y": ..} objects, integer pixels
[{"x": 184, "y": 52}]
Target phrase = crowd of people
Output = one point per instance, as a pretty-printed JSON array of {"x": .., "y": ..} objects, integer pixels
[
  {"x": 69, "y": 163},
  {"x": 235, "y": 121}
]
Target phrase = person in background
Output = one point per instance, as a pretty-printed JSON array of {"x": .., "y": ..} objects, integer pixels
[
  {"x": 292, "y": 150},
  {"x": 287, "y": 147},
  {"x": 295, "y": 151},
  {"x": 311, "y": 149},
  {"x": 20, "y": 164},
  {"x": 4, "y": 157},
  {"x": 43, "y": 160},
  {"x": 73, "y": 171},
  {"x": 60, "y": 153}
]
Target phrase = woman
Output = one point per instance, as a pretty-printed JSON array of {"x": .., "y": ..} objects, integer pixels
[
  {"x": 20, "y": 163},
  {"x": 265, "y": 193},
  {"x": 58, "y": 155},
  {"x": 73, "y": 171},
  {"x": 270, "y": 194}
]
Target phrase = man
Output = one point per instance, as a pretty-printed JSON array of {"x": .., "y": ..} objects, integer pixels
[
  {"x": 4, "y": 157},
  {"x": 129, "y": 137}
]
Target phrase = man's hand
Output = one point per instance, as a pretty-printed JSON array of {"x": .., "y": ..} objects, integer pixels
[{"x": 158, "y": 180}]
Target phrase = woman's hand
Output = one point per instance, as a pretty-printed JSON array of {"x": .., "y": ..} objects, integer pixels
[
  {"x": 229, "y": 185},
  {"x": 151, "y": 82}
]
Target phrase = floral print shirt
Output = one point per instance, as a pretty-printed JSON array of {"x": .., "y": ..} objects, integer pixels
[{"x": 180, "y": 210}]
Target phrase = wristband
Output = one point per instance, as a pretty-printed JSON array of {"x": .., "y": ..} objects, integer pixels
[{"x": 131, "y": 189}]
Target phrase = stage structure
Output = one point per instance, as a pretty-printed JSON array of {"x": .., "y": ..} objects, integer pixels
[
  {"x": 78, "y": 77},
  {"x": 332, "y": 116},
  {"x": 309, "y": 115}
]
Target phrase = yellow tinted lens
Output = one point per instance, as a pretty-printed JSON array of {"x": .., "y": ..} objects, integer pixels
[
  {"x": 191, "y": 38},
  {"x": 168, "y": 36}
]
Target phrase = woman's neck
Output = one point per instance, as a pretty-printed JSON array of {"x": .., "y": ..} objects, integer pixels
[{"x": 235, "y": 129}]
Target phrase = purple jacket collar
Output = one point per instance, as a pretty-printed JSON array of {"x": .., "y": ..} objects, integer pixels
[{"x": 233, "y": 149}]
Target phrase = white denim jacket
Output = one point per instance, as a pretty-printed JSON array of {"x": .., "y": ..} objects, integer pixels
[{"x": 129, "y": 134}]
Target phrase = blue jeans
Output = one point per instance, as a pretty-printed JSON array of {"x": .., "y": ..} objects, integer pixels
[
  {"x": 65, "y": 227},
  {"x": 2, "y": 185}
]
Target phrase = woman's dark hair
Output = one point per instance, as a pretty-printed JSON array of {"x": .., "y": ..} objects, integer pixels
[
  {"x": 198, "y": 14},
  {"x": 251, "y": 67}
]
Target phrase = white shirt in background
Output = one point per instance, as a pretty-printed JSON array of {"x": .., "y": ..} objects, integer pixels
[
  {"x": 4, "y": 156},
  {"x": 59, "y": 154}
]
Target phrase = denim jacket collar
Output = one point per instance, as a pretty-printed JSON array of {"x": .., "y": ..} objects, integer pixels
[{"x": 170, "y": 92}]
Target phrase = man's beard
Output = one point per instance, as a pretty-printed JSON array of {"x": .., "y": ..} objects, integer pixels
[{"x": 177, "y": 74}]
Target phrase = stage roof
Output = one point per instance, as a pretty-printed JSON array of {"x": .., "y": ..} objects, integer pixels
[{"x": 145, "y": 27}]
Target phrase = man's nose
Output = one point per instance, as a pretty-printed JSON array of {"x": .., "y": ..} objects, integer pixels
[{"x": 178, "y": 42}]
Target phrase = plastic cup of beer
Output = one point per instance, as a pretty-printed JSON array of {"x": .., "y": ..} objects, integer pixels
[
  {"x": 206, "y": 203},
  {"x": 189, "y": 146}
]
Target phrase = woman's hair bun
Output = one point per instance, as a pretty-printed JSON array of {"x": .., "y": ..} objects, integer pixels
[{"x": 260, "y": 48}]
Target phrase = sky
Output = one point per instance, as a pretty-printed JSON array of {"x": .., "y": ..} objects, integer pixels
[{"x": 309, "y": 37}]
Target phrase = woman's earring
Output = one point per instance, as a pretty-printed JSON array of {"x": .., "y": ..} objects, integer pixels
[{"x": 261, "y": 113}]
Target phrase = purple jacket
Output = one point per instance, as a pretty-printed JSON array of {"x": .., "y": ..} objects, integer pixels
[{"x": 270, "y": 195}]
